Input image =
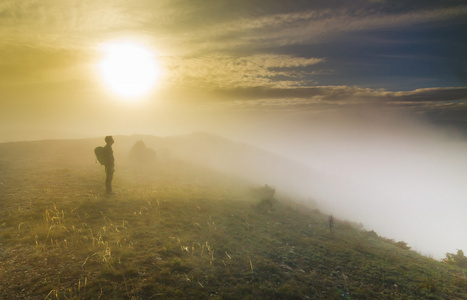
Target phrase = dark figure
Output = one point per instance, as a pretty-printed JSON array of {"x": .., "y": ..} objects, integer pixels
[{"x": 109, "y": 164}]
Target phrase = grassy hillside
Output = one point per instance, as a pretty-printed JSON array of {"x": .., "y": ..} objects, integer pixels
[{"x": 175, "y": 231}]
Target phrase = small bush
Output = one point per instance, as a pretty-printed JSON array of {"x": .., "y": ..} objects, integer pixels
[
  {"x": 458, "y": 259},
  {"x": 402, "y": 245},
  {"x": 264, "y": 192},
  {"x": 140, "y": 154},
  {"x": 371, "y": 234},
  {"x": 266, "y": 205}
]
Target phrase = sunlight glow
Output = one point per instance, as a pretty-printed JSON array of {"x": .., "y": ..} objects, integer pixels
[{"x": 129, "y": 69}]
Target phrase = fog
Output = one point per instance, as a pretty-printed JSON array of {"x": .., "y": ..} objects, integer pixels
[{"x": 397, "y": 174}]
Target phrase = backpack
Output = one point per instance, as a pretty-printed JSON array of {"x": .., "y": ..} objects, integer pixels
[{"x": 100, "y": 155}]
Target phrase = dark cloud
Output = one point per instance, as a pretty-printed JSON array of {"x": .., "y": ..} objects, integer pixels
[
  {"x": 346, "y": 94},
  {"x": 432, "y": 95}
]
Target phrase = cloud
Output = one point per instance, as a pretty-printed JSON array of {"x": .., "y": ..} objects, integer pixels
[
  {"x": 40, "y": 64},
  {"x": 209, "y": 26},
  {"x": 221, "y": 71},
  {"x": 227, "y": 51},
  {"x": 315, "y": 25},
  {"x": 64, "y": 24},
  {"x": 449, "y": 94},
  {"x": 343, "y": 94},
  {"x": 441, "y": 105}
]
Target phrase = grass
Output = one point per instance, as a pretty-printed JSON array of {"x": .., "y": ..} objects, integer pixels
[{"x": 175, "y": 231}]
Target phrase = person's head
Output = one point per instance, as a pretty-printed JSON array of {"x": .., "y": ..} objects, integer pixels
[{"x": 109, "y": 139}]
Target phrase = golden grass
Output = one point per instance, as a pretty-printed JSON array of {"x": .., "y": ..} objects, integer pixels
[{"x": 175, "y": 231}]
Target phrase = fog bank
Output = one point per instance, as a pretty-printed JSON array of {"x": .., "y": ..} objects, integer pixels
[{"x": 396, "y": 174}]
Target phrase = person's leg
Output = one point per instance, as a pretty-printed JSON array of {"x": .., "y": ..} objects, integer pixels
[{"x": 108, "y": 181}]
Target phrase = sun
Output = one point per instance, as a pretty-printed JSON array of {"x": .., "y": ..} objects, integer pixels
[{"x": 128, "y": 69}]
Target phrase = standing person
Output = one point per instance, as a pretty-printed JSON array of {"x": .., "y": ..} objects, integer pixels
[{"x": 109, "y": 164}]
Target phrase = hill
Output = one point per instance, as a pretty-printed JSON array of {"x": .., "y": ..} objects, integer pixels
[
  {"x": 238, "y": 159},
  {"x": 180, "y": 227}
]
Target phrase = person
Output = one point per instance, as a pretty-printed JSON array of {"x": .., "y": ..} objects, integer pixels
[{"x": 109, "y": 164}]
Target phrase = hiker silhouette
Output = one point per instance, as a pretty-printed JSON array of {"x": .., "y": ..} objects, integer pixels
[{"x": 109, "y": 164}]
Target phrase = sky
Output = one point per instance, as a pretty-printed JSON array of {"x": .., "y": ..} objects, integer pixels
[
  {"x": 230, "y": 59},
  {"x": 358, "y": 90}
]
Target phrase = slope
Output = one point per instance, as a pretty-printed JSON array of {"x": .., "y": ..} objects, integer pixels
[{"x": 177, "y": 230}]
